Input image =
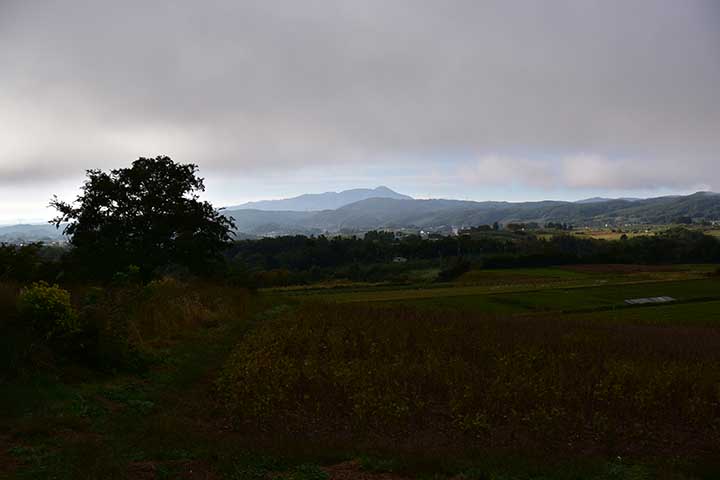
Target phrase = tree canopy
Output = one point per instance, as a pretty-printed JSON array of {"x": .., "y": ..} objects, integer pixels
[{"x": 147, "y": 215}]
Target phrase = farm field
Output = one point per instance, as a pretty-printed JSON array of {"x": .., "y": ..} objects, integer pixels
[
  {"x": 554, "y": 365},
  {"x": 501, "y": 374},
  {"x": 584, "y": 365},
  {"x": 633, "y": 231},
  {"x": 542, "y": 289},
  {"x": 612, "y": 235},
  {"x": 695, "y": 314},
  {"x": 567, "y": 300}
]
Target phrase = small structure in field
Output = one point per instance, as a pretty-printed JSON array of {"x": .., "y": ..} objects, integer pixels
[
  {"x": 399, "y": 260},
  {"x": 645, "y": 301}
]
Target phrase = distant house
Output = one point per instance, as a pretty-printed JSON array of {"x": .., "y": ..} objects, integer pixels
[{"x": 399, "y": 260}]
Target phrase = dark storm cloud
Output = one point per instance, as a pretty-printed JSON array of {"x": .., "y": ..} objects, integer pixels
[{"x": 580, "y": 93}]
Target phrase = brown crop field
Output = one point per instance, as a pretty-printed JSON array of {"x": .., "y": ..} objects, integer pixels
[{"x": 400, "y": 378}]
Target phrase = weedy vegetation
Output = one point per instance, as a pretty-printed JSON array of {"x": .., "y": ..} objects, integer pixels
[{"x": 547, "y": 384}]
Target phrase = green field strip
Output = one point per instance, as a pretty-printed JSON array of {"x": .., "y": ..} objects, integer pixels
[
  {"x": 689, "y": 313},
  {"x": 554, "y": 297}
]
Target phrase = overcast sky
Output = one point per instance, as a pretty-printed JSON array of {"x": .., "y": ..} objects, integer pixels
[{"x": 467, "y": 99}]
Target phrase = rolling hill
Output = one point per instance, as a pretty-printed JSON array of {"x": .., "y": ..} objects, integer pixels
[
  {"x": 433, "y": 215},
  {"x": 321, "y": 201},
  {"x": 375, "y": 213},
  {"x": 36, "y": 232}
]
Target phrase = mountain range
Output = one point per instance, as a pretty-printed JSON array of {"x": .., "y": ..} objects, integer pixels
[
  {"x": 603, "y": 199},
  {"x": 322, "y": 201},
  {"x": 30, "y": 232},
  {"x": 365, "y": 209},
  {"x": 444, "y": 215}
]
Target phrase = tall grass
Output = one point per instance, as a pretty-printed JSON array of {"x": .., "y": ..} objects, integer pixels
[
  {"x": 547, "y": 384},
  {"x": 118, "y": 325},
  {"x": 166, "y": 309}
]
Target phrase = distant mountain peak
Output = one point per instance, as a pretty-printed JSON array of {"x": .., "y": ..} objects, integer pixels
[
  {"x": 604, "y": 199},
  {"x": 322, "y": 201}
]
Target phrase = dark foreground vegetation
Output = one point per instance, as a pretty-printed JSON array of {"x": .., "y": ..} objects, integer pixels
[
  {"x": 111, "y": 329},
  {"x": 553, "y": 385},
  {"x": 168, "y": 351}
]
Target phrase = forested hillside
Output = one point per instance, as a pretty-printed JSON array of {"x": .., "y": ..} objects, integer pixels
[{"x": 377, "y": 213}]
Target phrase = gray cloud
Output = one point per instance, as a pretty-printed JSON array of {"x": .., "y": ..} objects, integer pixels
[{"x": 589, "y": 94}]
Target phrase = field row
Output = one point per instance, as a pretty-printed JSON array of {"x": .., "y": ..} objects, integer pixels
[{"x": 549, "y": 296}]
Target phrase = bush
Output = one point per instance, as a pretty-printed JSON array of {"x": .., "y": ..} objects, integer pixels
[
  {"x": 104, "y": 342},
  {"x": 48, "y": 310},
  {"x": 454, "y": 270},
  {"x": 120, "y": 327}
]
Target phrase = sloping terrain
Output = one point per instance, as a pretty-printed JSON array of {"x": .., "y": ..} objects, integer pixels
[
  {"x": 434, "y": 214},
  {"x": 43, "y": 232},
  {"x": 374, "y": 213},
  {"x": 322, "y": 201}
]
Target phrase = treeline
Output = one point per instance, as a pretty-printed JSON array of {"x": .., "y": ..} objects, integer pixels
[
  {"x": 26, "y": 263},
  {"x": 381, "y": 256},
  {"x": 301, "y": 253},
  {"x": 673, "y": 246},
  {"x": 376, "y": 256}
]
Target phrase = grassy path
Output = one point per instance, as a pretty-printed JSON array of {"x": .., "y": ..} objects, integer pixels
[{"x": 163, "y": 424}]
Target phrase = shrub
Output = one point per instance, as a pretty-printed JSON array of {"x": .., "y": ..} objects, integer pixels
[
  {"x": 49, "y": 311},
  {"x": 454, "y": 270},
  {"x": 104, "y": 342},
  {"x": 130, "y": 276},
  {"x": 308, "y": 472}
]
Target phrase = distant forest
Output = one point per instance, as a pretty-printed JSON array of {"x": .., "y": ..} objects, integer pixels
[
  {"x": 379, "y": 255},
  {"x": 382, "y": 256}
]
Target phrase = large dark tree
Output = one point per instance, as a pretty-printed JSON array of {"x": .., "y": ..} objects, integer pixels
[{"x": 147, "y": 215}]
